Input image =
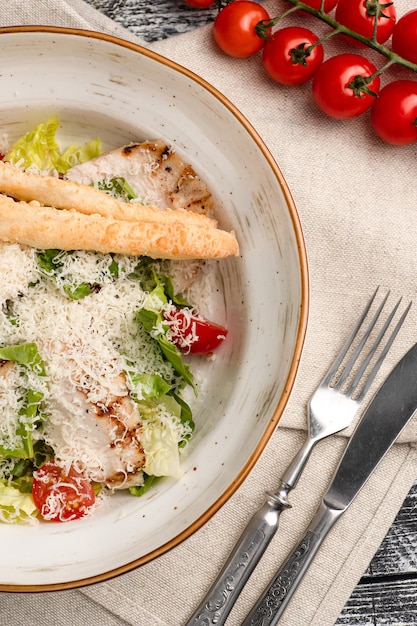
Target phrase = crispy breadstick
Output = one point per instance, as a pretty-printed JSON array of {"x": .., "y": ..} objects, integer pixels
[
  {"x": 68, "y": 194},
  {"x": 46, "y": 227}
]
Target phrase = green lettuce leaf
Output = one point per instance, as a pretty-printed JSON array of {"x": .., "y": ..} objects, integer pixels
[
  {"x": 117, "y": 187},
  {"x": 176, "y": 298},
  {"x": 185, "y": 414},
  {"x": 23, "y": 484},
  {"x": 150, "y": 280},
  {"x": 50, "y": 261},
  {"x": 79, "y": 291},
  {"x": 173, "y": 355},
  {"x": 148, "y": 481},
  {"x": 159, "y": 438},
  {"x": 160, "y": 442},
  {"x": 150, "y": 385},
  {"x": 25, "y": 354},
  {"x": 15, "y": 506},
  {"x": 38, "y": 149},
  {"x": 31, "y": 410},
  {"x": 149, "y": 320},
  {"x": 74, "y": 155}
]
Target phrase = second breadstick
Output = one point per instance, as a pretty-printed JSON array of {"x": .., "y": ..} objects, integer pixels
[{"x": 46, "y": 227}]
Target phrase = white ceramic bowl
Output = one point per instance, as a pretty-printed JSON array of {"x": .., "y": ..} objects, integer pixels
[{"x": 98, "y": 85}]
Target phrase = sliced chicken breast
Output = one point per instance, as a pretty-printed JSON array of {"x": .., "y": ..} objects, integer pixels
[
  {"x": 154, "y": 171},
  {"x": 102, "y": 439}
]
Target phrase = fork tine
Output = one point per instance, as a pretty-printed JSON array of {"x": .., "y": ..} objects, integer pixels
[
  {"x": 383, "y": 354},
  {"x": 372, "y": 351},
  {"x": 364, "y": 339},
  {"x": 333, "y": 369}
]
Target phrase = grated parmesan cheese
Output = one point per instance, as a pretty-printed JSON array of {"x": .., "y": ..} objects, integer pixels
[{"x": 87, "y": 345}]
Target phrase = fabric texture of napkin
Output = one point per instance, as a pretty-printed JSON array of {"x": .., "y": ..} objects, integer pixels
[{"x": 356, "y": 201}]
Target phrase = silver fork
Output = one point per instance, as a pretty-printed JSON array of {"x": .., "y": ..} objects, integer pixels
[{"x": 331, "y": 409}]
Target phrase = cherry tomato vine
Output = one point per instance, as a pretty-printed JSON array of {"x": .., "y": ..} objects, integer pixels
[{"x": 347, "y": 84}]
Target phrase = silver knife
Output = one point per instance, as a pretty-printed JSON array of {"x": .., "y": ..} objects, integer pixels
[{"x": 385, "y": 418}]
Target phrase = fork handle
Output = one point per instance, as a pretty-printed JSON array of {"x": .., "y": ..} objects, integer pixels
[
  {"x": 274, "y": 600},
  {"x": 298, "y": 463},
  {"x": 247, "y": 552},
  {"x": 243, "y": 559}
]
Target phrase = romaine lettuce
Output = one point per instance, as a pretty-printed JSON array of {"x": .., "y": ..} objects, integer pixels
[
  {"x": 39, "y": 150},
  {"x": 117, "y": 187},
  {"x": 25, "y": 354},
  {"x": 160, "y": 442},
  {"x": 16, "y": 506}
]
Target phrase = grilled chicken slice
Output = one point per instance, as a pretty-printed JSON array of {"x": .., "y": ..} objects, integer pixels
[
  {"x": 156, "y": 174},
  {"x": 101, "y": 438}
]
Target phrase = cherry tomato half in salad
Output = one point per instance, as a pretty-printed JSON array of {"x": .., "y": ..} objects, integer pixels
[
  {"x": 194, "y": 334},
  {"x": 200, "y": 4},
  {"x": 404, "y": 37},
  {"x": 61, "y": 497},
  {"x": 234, "y": 28},
  {"x": 360, "y": 16},
  {"x": 337, "y": 88},
  {"x": 394, "y": 113},
  {"x": 287, "y": 57}
]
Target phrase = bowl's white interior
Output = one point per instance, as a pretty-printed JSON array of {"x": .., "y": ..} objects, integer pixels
[{"x": 100, "y": 87}]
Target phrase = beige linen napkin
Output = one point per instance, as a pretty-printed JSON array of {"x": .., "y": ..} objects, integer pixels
[{"x": 357, "y": 204}]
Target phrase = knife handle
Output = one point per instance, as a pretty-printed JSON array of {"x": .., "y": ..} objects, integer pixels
[
  {"x": 274, "y": 600},
  {"x": 243, "y": 559},
  {"x": 246, "y": 554}
]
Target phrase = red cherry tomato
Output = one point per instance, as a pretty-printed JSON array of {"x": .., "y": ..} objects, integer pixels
[
  {"x": 234, "y": 28},
  {"x": 360, "y": 15},
  {"x": 192, "y": 333},
  {"x": 334, "y": 86},
  {"x": 60, "y": 497},
  {"x": 285, "y": 59},
  {"x": 329, "y": 5},
  {"x": 200, "y": 4},
  {"x": 404, "y": 37},
  {"x": 394, "y": 112}
]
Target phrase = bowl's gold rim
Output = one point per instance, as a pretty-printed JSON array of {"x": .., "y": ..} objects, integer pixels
[{"x": 302, "y": 328}]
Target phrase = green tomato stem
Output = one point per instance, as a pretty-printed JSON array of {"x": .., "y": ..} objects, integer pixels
[
  {"x": 369, "y": 42},
  {"x": 381, "y": 70},
  {"x": 263, "y": 27},
  {"x": 329, "y": 35}
]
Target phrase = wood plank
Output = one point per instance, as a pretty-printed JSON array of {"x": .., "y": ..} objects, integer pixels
[
  {"x": 388, "y": 603},
  {"x": 398, "y": 552},
  {"x": 152, "y": 21},
  {"x": 387, "y": 593}
]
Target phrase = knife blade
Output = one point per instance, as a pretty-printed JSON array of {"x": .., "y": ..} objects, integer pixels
[{"x": 389, "y": 412}]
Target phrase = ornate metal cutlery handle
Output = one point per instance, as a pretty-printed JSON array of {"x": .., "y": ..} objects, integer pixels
[
  {"x": 217, "y": 604},
  {"x": 246, "y": 554},
  {"x": 274, "y": 600}
]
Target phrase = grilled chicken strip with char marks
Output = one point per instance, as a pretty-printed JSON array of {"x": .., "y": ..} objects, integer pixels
[
  {"x": 107, "y": 439},
  {"x": 156, "y": 174}
]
